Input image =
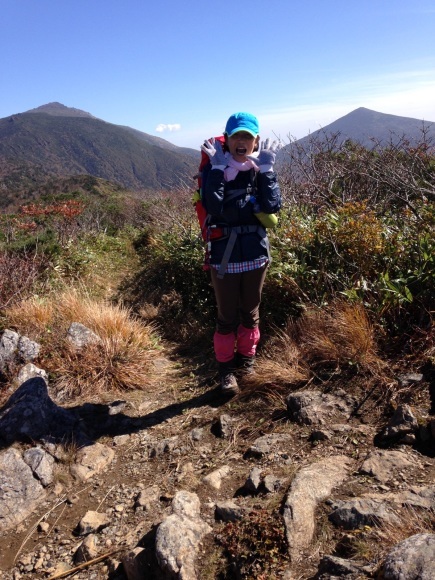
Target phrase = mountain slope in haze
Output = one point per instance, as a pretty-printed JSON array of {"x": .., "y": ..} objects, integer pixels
[
  {"x": 63, "y": 141},
  {"x": 58, "y": 141},
  {"x": 368, "y": 127}
]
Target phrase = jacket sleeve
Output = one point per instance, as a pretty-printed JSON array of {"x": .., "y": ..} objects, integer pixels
[
  {"x": 268, "y": 192},
  {"x": 213, "y": 191}
]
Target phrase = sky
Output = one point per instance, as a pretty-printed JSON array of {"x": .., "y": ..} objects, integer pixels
[{"x": 178, "y": 70}]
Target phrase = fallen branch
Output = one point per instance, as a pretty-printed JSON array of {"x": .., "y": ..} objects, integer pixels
[
  {"x": 35, "y": 526},
  {"x": 84, "y": 565}
]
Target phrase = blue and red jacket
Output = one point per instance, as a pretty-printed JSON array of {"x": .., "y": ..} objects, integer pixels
[{"x": 229, "y": 206}]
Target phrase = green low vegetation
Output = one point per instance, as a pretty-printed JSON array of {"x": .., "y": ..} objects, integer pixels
[
  {"x": 350, "y": 293},
  {"x": 356, "y": 227}
]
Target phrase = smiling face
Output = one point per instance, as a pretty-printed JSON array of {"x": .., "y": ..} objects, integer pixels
[{"x": 241, "y": 144}]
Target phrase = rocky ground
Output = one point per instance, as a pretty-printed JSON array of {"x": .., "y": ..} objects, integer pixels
[{"x": 177, "y": 481}]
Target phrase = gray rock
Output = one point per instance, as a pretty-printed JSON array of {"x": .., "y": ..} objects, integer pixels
[
  {"x": 30, "y": 414},
  {"x": 229, "y": 511},
  {"x": 147, "y": 497},
  {"x": 411, "y": 559},
  {"x": 422, "y": 497},
  {"x": 8, "y": 346},
  {"x": 164, "y": 446},
  {"x": 80, "y": 336},
  {"x": 116, "y": 407},
  {"x": 375, "y": 508},
  {"x": 186, "y": 504},
  {"x": 178, "y": 537},
  {"x": 384, "y": 465},
  {"x": 315, "y": 407},
  {"x": 92, "y": 522},
  {"x": 197, "y": 434},
  {"x": 30, "y": 371},
  {"x": 224, "y": 427},
  {"x": 134, "y": 563},
  {"x": 214, "y": 479},
  {"x": 268, "y": 444},
  {"x": 41, "y": 463},
  {"x": 272, "y": 484},
  {"x": 400, "y": 426},
  {"x": 338, "y": 567},
  {"x": 311, "y": 485},
  {"x": 320, "y": 435},
  {"x": 408, "y": 379},
  {"x": 358, "y": 512},
  {"x": 88, "y": 549},
  {"x": 91, "y": 460},
  {"x": 28, "y": 350},
  {"x": 20, "y": 492},
  {"x": 43, "y": 527},
  {"x": 252, "y": 484}
]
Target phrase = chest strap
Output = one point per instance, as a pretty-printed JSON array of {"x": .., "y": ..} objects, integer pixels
[{"x": 233, "y": 233}]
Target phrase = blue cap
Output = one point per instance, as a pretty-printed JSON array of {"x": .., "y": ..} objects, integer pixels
[{"x": 242, "y": 122}]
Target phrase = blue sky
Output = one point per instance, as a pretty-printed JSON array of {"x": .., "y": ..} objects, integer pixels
[{"x": 177, "y": 70}]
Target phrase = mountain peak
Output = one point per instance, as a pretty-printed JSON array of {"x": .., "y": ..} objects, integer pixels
[
  {"x": 58, "y": 110},
  {"x": 367, "y": 127}
]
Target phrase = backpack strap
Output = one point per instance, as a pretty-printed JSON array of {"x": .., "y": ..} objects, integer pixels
[
  {"x": 233, "y": 193},
  {"x": 233, "y": 233}
]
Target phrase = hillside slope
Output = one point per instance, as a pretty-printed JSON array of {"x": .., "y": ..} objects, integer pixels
[
  {"x": 57, "y": 140},
  {"x": 368, "y": 127}
]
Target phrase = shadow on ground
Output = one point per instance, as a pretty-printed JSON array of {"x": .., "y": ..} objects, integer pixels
[{"x": 31, "y": 415}]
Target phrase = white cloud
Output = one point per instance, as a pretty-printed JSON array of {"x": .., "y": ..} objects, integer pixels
[
  {"x": 162, "y": 127},
  {"x": 407, "y": 93}
]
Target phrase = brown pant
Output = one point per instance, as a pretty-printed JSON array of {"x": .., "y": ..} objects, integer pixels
[{"x": 238, "y": 298}]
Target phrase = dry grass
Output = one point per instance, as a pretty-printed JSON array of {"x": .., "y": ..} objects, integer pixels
[
  {"x": 33, "y": 317},
  {"x": 338, "y": 335},
  {"x": 122, "y": 360},
  {"x": 321, "y": 340},
  {"x": 374, "y": 544},
  {"x": 273, "y": 376}
]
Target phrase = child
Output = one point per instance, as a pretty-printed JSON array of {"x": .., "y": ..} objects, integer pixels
[{"x": 233, "y": 185}]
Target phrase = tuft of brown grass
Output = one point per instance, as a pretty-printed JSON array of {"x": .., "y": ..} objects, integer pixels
[
  {"x": 272, "y": 376},
  {"x": 335, "y": 337},
  {"x": 121, "y": 360},
  {"x": 374, "y": 544},
  {"x": 32, "y": 317},
  {"x": 338, "y": 335},
  {"x": 275, "y": 370}
]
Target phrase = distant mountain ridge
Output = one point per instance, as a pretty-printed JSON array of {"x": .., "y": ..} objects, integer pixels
[
  {"x": 367, "y": 127},
  {"x": 59, "y": 110},
  {"x": 61, "y": 141},
  {"x": 55, "y": 141}
]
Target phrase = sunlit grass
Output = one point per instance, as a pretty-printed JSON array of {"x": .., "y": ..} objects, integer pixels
[{"x": 121, "y": 360}]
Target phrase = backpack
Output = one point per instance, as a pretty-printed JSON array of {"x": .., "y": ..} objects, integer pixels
[
  {"x": 201, "y": 212},
  {"x": 211, "y": 233}
]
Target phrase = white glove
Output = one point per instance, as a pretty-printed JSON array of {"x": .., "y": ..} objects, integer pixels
[
  {"x": 267, "y": 155},
  {"x": 218, "y": 158}
]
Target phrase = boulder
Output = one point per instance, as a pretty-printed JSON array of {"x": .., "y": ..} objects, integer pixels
[
  {"x": 316, "y": 408},
  {"x": 30, "y": 414},
  {"x": 179, "y": 536},
  {"x": 80, "y": 336},
  {"x": 20, "y": 491},
  {"x": 411, "y": 559},
  {"x": 91, "y": 460},
  {"x": 311, "y": 485}
]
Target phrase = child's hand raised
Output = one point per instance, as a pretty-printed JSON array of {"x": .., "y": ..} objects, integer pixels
[
  {"x": 215, "y": 152},
  {"x": 267, "y": 155}
]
